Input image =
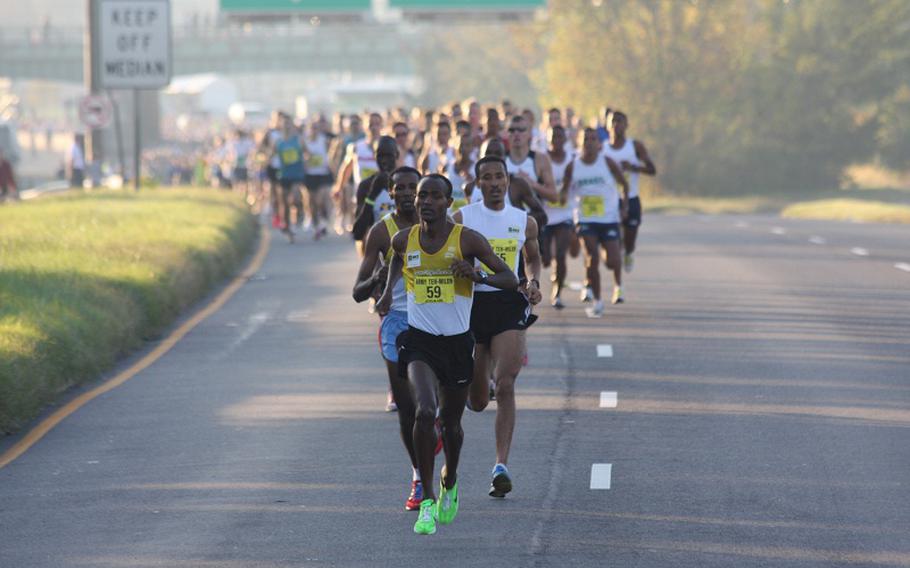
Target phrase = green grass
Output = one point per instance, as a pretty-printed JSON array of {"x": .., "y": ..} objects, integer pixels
[
  {"x": 86, "y": 278},
  {"x": 872, "y": 205},
  {"x": 849, "y": 210}
]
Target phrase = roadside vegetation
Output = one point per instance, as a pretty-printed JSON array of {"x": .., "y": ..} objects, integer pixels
[{"x": 86, "y": 278}]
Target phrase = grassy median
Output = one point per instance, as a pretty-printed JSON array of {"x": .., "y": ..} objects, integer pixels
[{"x": 88, "y": 277}]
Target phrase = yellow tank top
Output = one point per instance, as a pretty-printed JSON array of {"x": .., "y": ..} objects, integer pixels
[{"x": 438, "y": 302}]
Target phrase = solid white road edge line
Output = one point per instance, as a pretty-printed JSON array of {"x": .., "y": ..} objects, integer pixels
[
  {"x": 902, "y": 266},
  {"x": 859, "y": 251},
  {"x": 604, "y": 350}
]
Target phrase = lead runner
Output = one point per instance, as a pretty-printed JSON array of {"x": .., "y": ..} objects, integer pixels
[{"x": 436, "y": 258}]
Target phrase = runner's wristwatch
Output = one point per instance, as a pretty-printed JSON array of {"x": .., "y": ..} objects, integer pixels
[{"x": 483, "y": 277}]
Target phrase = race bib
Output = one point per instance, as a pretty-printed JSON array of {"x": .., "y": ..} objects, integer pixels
[
  {"x": 506, "y": 249},
  {"x": 434, "y": 288},
  {"x": 592, "y": 206},
  {"x": 290, "y": 156},
  {"x": 315, "y": 161},
  {"x": 367, "y": 172},
  {"x": 556, "y": 205}
]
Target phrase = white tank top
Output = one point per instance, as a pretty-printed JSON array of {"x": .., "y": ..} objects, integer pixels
[
  {"x": 596, "y": 198},
  {"x": 383, "y": 205},
  {"x": 557, "y": 213},
  {"x": 526, "y": 166},
  {"x": 318, "y": 162},
  {"x": 504, "y": 229},
  {"x": 625, "y": 154},
  {"x": 459, "y": 199},
  {"x": 365, "y": 163},
  {"x": 434, "y": 160}
]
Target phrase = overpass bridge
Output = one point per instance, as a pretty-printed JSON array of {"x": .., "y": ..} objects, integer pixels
[{"x": 56, "y": 54}]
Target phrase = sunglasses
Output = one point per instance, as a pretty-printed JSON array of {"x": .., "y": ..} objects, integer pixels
[{"x": 515, "y": 129}]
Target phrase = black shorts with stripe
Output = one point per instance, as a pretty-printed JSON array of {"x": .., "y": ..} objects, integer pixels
[{"x": 496, "y": 312}]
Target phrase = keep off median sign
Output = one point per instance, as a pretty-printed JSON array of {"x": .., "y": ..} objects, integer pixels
[{"x": 135, "y": 47}]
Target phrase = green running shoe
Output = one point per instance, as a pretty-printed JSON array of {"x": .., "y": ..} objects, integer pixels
[
  {"x": 448, "y": 503},
  {"x": 426, "y": 519}
]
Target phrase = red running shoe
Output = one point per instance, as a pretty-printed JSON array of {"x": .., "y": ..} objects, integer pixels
[
  {"x": 413, "y": 502},
  {"x": 276, "y": 221}
]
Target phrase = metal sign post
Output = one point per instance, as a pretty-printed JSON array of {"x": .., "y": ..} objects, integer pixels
[{"x": 135, "y": 53}]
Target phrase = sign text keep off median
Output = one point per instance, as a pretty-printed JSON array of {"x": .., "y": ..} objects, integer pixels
[{"x": 135, "y": 44}]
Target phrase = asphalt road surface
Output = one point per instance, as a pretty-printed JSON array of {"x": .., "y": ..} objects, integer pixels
[{"x": 761, "y": 376}]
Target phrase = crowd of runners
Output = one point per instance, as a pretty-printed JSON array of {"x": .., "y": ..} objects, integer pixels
[{"x": 454, "y": 222}]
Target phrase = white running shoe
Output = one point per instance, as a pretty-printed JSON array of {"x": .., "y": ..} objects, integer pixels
[
  {"x": 595, "y": 311},
  {"x": 587, "y": 294},
  {"x": 557, "y": 303},
  {"x": 628, "y": 263}
]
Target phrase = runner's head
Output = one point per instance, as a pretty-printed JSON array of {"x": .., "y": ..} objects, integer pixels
[
  {"x": 434, "y": 197},
  {"x": 618, "y": 125},
  {"x": 355, "y": 125},
  {"x": 462, "y": 128},
  {"x": 494, "y": 125},
  {"x": 375, "y": 125},
  {"x": 386, "y": 153},
  {"x": 554, "y": 117},
  {"x": 557, "y": 138},
  {"x": 404, "y": 189},
  {"x": 402, "y": 133},
  {"x": 519, "y": 131},
  {"x": 474, "y": 113},
  {"x": 493, "y": 147},
  {"x": 590, "y": 145},
  {"x": 464, "y": 145},
  {"x": 443, "y": 134},
  {"x": 493, "y": 180}
]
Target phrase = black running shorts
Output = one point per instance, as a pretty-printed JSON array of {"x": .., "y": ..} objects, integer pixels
[
  {"x": 450, "y": 356},
  {"x": 496, "y": 312}
]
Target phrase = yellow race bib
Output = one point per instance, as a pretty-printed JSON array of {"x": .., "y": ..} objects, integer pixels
[
  {"x": 506, "y": 249},
  {"x": 434, "y": 288},
  {"x": 556, "y": 205},
  {"x": 367, "y": 172},
  {"x": 290, "y": 156},
  {"x": 315, "y": 161},
  {"x": 592, "y": 206}
]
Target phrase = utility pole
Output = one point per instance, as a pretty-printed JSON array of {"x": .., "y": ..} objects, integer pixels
[{"x": 92, "y": 77}]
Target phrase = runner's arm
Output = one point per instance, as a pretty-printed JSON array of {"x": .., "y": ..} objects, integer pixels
[
  {"x": 621, "y": 180},
  {"x": 642, "y": 154},
  {"x": 528, "y": 198},
  {"x": 566, "y": 185},
  {"x": 365, "y": 216},
  {"x": 475, "y": 246},
  {"x": 362, "y": 212},
  {"x": 547, "y": 189},
  {"x": 345, "y": 173},
  {"x": 367, "y": 276},
  {"x": 532, "y": 262},
  {"x": 399, "y": 244}
]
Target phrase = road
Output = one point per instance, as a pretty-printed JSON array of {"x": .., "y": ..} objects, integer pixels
[{"x": 762, "y": 418}]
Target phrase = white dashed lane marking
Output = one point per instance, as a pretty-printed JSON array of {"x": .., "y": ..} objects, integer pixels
[
  {"x": 859, "y": 251},
  {"x": 600, "y": 475},
  {"x": 741, "y": 225},
  {"x": 902, "y": 266},
  {"x": 778, "y": 230},
  {"x": 816, "y": 240},
  {"x": 604, "y": 350},
  {"x": 608, "y": 399}
]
